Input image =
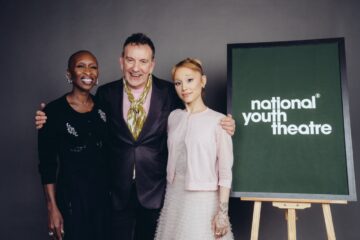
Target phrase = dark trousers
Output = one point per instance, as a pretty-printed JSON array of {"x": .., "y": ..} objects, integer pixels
[{"x": 134, "y": 222}]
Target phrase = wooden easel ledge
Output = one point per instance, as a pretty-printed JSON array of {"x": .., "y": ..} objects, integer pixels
[{"x": 290, "y": 206}]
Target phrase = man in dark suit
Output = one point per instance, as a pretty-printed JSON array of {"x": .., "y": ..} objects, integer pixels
[
  {"x": 137, "y": 108},
  {"x": 139, "y": 158}
]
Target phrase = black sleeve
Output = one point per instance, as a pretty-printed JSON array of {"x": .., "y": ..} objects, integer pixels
[{"x": 48, "y": 147}]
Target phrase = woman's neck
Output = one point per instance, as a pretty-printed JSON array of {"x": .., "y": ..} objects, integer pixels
[
  {"x": 195, "y": 107},
  {"x": 80, "y": 101},
  {"x": 80, "y": 96}
]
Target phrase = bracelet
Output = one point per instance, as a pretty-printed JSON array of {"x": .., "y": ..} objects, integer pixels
[{"x": 224, "y": 207}]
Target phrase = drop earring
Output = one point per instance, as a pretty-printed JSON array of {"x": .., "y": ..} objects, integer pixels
[
  {"x": 68, "y": 79},
  {"x": 97, "y": 82}
]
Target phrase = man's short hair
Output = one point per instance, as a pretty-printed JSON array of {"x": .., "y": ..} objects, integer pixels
[{"x": 139, "y": 39}]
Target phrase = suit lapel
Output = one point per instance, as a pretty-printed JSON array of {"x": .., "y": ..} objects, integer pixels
[
  {"x": 120, "y": 110},
  {"x": 156, "y": 104}
]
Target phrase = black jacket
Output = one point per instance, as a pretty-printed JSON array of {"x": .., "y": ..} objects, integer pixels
[{"x": 148, "y": 153}]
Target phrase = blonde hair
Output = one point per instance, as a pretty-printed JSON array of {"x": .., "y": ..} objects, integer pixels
[{"x": 191, "y": 63}]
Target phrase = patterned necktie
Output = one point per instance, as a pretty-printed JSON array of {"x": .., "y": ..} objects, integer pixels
[{"x": 136, "y": 115}]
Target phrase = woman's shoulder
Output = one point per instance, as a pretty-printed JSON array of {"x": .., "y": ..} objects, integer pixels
[
  {"x": 214, "y": 114},
  {"x": 175, "y": 114},
  {"x": 97, "y": 103},
  {"x": 210, "y": 119},
  {"x": 55, "y": 105},
  {"x": 99, "y": 110}
]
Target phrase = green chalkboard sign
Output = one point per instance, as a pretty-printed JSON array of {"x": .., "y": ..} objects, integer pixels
[{"x": 290, "y": 103}]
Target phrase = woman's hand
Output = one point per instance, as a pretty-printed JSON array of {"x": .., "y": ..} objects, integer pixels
[
  {"x": 55, "y": 223},
  {"x": 220, "y": 223}
]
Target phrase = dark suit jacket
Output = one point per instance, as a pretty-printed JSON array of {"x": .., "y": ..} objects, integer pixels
[{"x": 148, "y": 153}]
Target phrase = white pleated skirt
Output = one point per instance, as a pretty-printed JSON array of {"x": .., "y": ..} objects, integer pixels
[{"x": 187, "y": 215}]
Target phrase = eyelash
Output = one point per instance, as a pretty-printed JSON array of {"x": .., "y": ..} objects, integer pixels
[
  {"x": 82, "y": 66},
  {"x": 132, "y": 60},
  {"x": 179, "y": 83}
]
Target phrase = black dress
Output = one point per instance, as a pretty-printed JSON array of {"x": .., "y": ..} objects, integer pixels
[{"x": 72, "y": 149}]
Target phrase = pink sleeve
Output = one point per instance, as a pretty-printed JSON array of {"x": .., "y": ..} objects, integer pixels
[{"x": 225, "y": 157}]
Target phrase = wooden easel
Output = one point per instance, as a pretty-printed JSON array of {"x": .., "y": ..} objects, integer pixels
[{"x": 291, "y": 205}]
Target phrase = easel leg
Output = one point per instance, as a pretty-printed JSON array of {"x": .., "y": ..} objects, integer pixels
[
  {"x": 328, "y": 222},
  {"x": 291, "y": 222},
  {"x": 256, "y": 221}
]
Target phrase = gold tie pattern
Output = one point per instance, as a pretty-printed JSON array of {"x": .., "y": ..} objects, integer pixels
[{"x": 136, "y": 115}]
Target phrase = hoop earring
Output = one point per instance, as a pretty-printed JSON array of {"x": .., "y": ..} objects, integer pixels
[{"x": 68, "y": 79}]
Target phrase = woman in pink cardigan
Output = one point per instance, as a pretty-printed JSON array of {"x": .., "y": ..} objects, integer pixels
[{"x": 199, "y": 165}]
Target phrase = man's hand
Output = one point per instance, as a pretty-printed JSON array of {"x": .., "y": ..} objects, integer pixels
[
  {"x": 40, "y": 117},
  {"x": 228, "y": 124}
]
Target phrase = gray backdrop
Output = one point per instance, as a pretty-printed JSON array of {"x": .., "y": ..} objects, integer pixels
[{"x": 38, "y": 36}]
